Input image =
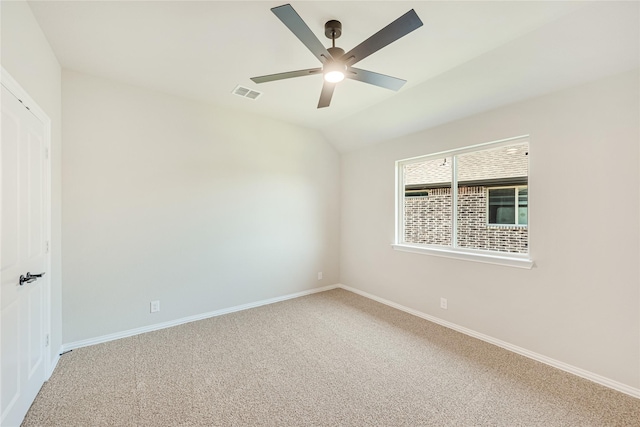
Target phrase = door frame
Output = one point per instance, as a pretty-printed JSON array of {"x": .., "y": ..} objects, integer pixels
[{"x": 18, "y": 91}]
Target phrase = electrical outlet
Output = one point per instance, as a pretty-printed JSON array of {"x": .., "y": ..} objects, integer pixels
[
  {"x": 155, "y": 306},
  {"x": 319, "y": 275},
  {"x": 443, "y": 303}
]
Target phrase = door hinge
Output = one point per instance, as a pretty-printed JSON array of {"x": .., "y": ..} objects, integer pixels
[
  {"x": 46, "y": 247},
  {"x": 46, "y": 341},
  {"x": 46, "y": 153}
]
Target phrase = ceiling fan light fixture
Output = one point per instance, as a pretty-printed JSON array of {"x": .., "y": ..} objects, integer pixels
[
  {"x": 334, "y": 72},
  {"x": 334, "y": 76}
]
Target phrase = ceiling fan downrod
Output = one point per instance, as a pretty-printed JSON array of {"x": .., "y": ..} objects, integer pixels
[{"x": 333, "y": 30}]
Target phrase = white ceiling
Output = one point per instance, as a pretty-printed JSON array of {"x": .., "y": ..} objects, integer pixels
[{"x": 467, "y": 58}]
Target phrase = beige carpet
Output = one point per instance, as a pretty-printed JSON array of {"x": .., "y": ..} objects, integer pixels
[{"x": 328, "y": 359}]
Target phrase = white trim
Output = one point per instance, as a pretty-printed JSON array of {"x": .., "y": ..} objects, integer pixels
[
  {"x": 510, "y": 260},
  {"x": 169, "y": 324},
  {"x": 599, "y": 379},
  {"x": 399, "y": 203},
  {"x": 454, "y": 203},
  {"x": 19, "y": 92}
]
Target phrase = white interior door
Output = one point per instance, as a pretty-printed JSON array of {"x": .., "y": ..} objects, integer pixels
[{"x": 22, "y": 250}]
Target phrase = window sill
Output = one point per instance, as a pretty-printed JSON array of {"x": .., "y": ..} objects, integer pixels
[{"x": 509, "y": 260}]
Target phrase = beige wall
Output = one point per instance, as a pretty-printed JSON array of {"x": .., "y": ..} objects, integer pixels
[
  {"x": 201, "y": 208},
  {"x": 27, "y": 56},
  {"x": 580, "y": 304}
]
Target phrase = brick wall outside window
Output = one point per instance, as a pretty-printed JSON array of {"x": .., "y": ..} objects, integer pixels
[{"x": 428, "y": 220}]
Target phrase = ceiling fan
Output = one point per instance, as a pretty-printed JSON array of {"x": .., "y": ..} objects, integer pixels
[{"x": 336, "y": 64}]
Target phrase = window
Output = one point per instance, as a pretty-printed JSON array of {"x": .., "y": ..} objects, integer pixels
[
  {"x": 471, "y": 203},
  {"x": 416, "y": 191},
  {"x": 502, "y": 206}
]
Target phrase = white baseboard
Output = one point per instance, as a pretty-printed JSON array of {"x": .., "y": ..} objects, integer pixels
[
  {"x": 624, "y": 388},
  {"x": 163, "y": 325}
]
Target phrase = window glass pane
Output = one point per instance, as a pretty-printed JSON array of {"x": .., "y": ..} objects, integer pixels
[
  {"x": 427, "y": 202},
  {"x": 502, "y": 204},
  {"x": 491, "y": 205},
  {"x": 523, "y": 206}
]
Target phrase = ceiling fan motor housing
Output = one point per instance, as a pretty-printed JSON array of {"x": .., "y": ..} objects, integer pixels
[{"x": 336, "y": 52}]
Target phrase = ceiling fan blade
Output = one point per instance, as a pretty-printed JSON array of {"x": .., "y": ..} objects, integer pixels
[
  {"x": 287, "y": 75},
  {"x": 326, "y": 94},
  {"x": 370, "y": 77},
  {"x": 392, "y": 32},
  {"x": 292, "y": 20}
]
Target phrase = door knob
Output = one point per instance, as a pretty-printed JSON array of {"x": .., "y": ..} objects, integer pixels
[{"x": 29, "y": 278}]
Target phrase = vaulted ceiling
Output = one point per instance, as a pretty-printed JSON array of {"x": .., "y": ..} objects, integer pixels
[{"x": 467, "y": 58}]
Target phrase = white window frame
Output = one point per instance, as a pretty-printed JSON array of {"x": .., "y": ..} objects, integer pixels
[
  {"x": 514, "y": 225},
  {"x": 476, "y": 255}
]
